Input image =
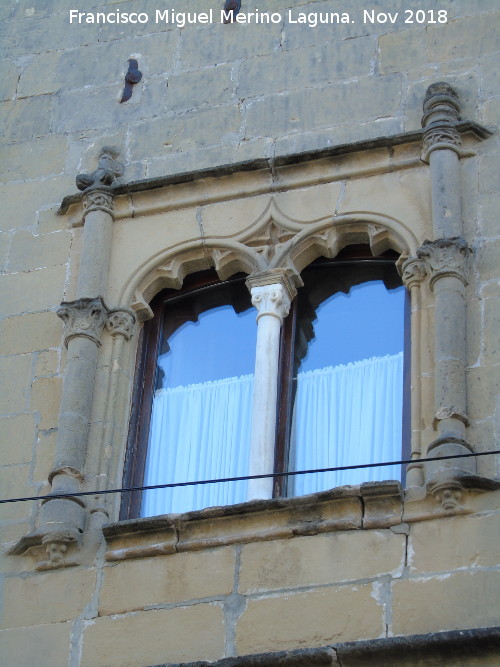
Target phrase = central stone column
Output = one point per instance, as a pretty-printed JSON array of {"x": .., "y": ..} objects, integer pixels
[{"x": 272, "y": 293}]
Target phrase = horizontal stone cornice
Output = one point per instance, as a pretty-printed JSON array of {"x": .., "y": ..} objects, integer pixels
[{"x": 253, "y": 177}]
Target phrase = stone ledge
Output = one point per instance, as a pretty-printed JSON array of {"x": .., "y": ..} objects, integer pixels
[
  {"x": 342, "y": 508},
  {"x": 441, "y": 649},
  {"x": 271, "y": 174}
]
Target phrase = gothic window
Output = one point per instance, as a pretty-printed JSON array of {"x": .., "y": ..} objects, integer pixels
[{"x": 340, "y": 381}]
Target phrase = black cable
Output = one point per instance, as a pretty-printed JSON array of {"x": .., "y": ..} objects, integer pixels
[{"x": 172, "y": 485}]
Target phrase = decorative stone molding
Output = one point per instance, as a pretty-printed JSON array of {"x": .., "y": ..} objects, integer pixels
[
  {"x": 413, "y": 272},
  {"x": 441, "y": 115},
  {"x": 83, "y": 317},
  {"x": 272, "y": 292},
  {"x": 56, "y": 547},
  {"x": 109, "y": 169},
  {"x": 449, "y": 412},
  {"x": 121, "y": 322},
  {"x": 98, "y": 200},
  {"x": 437, "y": 138},
  {"x": 270, "y": 300},
  {"x": 445, "y": 257}
]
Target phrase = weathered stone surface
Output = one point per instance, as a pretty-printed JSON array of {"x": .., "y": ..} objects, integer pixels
[
  {"x": 76, "y": 589},
  {"x": 314, "y": 67},
  {"x": 28, "y": 333},
  {"x": 45, "y": 399},
  {"x": 67, "y": 70},
  {"x": 313, "y": 618},
  {"x": 29, "y": 117},
  {"x": 24, "y": 647},
  {"x": 193, "y": 90},
  {"x": 31, "y": 159},
  {"x": 437, "y": 603},
  {"x": 47, "y": 363},
  {"x": 33, "y": 252},
  {"x": 16, "y": 40},
  {"x": 18, "y": 434},
  {"x": 33, "y": 291},
  {"x": 146, "y": 637},
  {"x": 294, "y": 112},
  {"x": 14, "y": 482},
  {"x": 182, "y": 132},
  {"x": 170, "y": 579},
  {"x": 10, "y": 77},
  {"x": 204, "y": 46},
  {"x": 457, "y": 542},
  {"x": 320, "y": 559},
  {"x": 18, "y": 371}
]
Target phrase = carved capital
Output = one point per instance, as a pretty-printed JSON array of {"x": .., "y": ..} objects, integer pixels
[
  {"x": 121, "y": 322},
  {"x": 438, "y": 138},
  {"x": 445, "y": 257},
  {"x": 412, "y": 272},
  {"x": 441, "y": 114},
  {"x": 108, "y": 170},
  {"x": 286, "y": 277},
  {"x": 271, "y": 300},
  {"x": 98, "y": 199},
  {"x": 84, "y": 317}
]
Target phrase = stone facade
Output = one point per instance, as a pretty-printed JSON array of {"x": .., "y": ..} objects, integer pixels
[{"x": 248, "y": 148}]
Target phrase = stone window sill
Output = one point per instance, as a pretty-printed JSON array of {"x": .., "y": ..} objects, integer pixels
[{"x": 370, "y": 505}]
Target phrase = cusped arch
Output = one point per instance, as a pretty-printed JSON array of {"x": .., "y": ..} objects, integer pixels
[
  {"x": 328, "y": 238},
  {"x": 168, "y": 268}
]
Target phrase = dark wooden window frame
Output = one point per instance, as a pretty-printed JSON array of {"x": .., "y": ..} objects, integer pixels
[{"x": 145, "y": 373}]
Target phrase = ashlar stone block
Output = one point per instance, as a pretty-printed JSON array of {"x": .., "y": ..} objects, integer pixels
[
  {"x": 18, "y": 370},
  {"x": 18, "y": 434},
  {"x": 446, "y": 602},
  {"x": 453, "y": 543},
  {"x": 25, "y": 118},
  {"x": 170, "y": 579},
  {"x": 307, "y": 619},
  {"x": 32, "y": 291},
  {"x": 151, "y": 637},
  {"x": 10, "y": 76},
  {"x": 31, "y": 159},
  {"x": 24, "y": 647},
  {"x": 52, "y": 597},
  {"x": 28, "y": 333},
  {"x": 32, "y": 252},
  {"x": 320, "y": 559}
]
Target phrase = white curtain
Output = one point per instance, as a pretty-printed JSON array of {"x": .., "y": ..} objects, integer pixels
[
  {"x": 343, "y": 415},
  {"x": 198, "y": 432},
  {"x": 347, "y": 415}
]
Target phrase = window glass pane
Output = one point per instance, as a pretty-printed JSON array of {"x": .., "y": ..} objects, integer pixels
[
  {"x": 349, "y": 381},
  {"x": 201, "y": 413}
]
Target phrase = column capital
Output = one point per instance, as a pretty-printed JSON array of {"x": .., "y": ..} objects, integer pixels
[
  {"x": 271, "y": 300},
  {"x": 441, "y": 115},
  {"x": 284, "y": 277},
  {"x": 412, "y": 272},
  {"x": 445, "y": 257},
  {"x": 98, "y": 199},
  {"x": 121, "y": 322},
  {"x": 83, "y": 317}
]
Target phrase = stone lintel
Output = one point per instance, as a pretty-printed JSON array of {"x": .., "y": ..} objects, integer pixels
[
  {"x": 268, "y": 169},
  {"x": 435, "y": 648}
]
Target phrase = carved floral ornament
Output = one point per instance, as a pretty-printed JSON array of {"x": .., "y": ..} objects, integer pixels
[
  {"x": 445, "y": 257},
  {"x": 88, "y": 317}
]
